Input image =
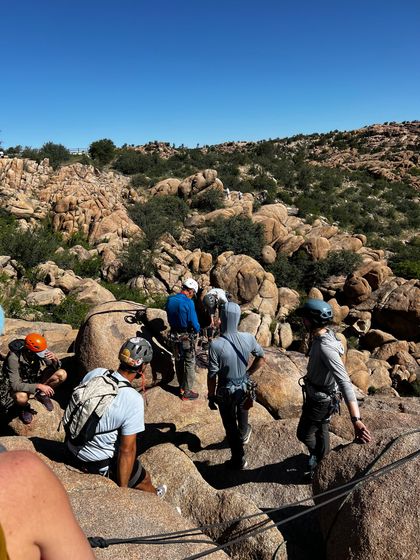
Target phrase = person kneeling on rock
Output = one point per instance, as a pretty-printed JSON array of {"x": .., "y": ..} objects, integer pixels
[
  {"x": 325, "y": 379},
  {"x": 104, "y": 416},
  {"x": 24, "y": 376},
  {"x": 228, "y": 368}
]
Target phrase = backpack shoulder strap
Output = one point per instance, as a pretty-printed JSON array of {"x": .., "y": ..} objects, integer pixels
[{"x": 238, "y": 352}]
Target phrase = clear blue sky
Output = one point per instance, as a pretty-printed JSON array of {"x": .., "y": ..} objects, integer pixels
[{"x": 197, "y": 71}]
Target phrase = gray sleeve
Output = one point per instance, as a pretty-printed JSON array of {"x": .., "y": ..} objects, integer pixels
[
  {"x": 332, "y": 360},
  {"x": 213, "y": 368},
  {"x": 11, "y": 368},
  {"x": 257, "y": 349}
]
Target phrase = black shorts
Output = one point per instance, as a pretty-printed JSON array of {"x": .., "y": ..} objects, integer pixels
[{"x": 137, "y": 474}]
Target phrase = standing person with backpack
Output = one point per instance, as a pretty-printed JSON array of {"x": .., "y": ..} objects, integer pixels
[
  {"x": 228, "y": 369},
  {"x": 326, "y": 379},
  {"x": 104, "y": 417},
  {"x": 23, "y": 375}
]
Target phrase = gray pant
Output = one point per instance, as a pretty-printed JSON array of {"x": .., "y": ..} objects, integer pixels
[{"x": 185, "y": 369}]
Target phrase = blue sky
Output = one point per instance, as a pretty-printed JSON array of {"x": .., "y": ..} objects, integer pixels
[{"x": 191, "y": 71}]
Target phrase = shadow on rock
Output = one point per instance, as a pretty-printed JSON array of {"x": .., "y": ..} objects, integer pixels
[
  {"x": 220, "y": 477},
  {"x": 165, "y": 432}
]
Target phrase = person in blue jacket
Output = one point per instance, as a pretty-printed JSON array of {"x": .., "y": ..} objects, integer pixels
[{"x": 182, "y": 318}]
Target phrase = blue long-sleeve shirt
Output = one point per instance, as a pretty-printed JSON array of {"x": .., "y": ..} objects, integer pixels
[{"x": 181, "y": 313}]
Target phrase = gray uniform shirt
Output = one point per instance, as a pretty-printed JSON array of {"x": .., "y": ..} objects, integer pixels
[
  {"x": 325, "y": 367},
  {"x": 229, "y": 353}
]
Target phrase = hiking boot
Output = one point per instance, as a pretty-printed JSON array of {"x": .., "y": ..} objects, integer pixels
[
  {"x": 247, "y": 436},
  {"x": 161, "y": 490},
  {"x": 43, "y": 399},
  {"x": 235, "y": 465},
  {"x": 189, "y": 395},
  {"x": 26, "y": 415}
]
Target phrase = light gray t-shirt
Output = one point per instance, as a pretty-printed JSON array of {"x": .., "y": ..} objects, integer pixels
[
  {"x": 325, "y": 367},
  {"x": 125, "y": 416}
]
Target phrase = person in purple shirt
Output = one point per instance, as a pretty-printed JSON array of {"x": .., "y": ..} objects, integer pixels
[{"x": 182, "y": 318}]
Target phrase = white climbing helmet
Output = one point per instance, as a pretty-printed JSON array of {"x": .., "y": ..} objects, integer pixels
[{"x": 191, "y": 284}]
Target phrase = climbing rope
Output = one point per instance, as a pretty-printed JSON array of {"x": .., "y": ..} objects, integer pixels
[{"x": 343, "y": 490}]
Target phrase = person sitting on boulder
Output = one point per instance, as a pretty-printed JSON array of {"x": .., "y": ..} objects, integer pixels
[
  {"x": 228, "y": 369},
  {"x": 111, "y": 450},
  {"x": 325, "y": 376},
  {"x": 24, "y": 376}
]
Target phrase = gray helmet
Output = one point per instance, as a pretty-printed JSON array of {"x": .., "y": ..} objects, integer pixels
[
  {"x": 316, "y": 310},
  {"x": 210, "y": 303},
  {"x": 135, "y": 352}
]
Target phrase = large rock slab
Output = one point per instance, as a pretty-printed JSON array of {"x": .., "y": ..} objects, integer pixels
[
  {"x": 105, "y": 330},
  {"x": 366, "y": 524},
  {"x": 197, "y": 500},
  {"x": 277, "y": 384},
  {"x": 59, "y": 336},
  {"x": 398, "y": 312}
]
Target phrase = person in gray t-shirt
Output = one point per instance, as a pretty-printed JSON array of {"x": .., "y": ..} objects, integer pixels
[
  {"x": 325, "y": 377},
  {"x": 228, "y": 369}
]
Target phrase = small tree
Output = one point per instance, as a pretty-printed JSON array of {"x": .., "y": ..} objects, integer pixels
[
  {"x": 56, "y": 153},
  {"x": 239, "y": 234},
  {"x": 102, "y": 151}
]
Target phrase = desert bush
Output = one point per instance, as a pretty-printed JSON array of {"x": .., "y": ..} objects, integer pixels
[
  {"x": 137, "y": 260},
  {"x": 29, "y": 248},
  {"x": 161, "y": 214},
  {"x": 102, "y": 151},
  {"x": 300, "y": 272},
  {"x": 239, "y": 234},
  {"x": 210, "y": 200},
  {"x": 70, "y": 311}
]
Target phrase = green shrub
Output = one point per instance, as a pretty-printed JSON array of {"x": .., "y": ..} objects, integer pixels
[
  {"x": 137, "y": 260},
  {"x": 210, "y": 200},
  {"x": 161, "y": 214},
  {"x": 102, "y": 151},
  {"x": 300, "y": 272},
  {"x": 124, "y": 292},
  {"x": 405, "y": 261},
  {"x": 70, "y": 311},
  {"x": 29, "y": 248},
  {"x": 139, "y": 180},
  {"x": 239, "y": 234}
]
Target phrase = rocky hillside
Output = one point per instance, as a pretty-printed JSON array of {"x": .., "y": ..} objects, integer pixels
[{"x": 82, "y": 248}]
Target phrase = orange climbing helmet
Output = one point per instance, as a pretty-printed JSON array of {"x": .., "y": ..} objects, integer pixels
[{"x": 36, "y": 343}]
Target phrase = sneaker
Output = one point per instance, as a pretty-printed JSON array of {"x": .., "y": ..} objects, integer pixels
[
  {"x": 26, "y": 415},
  {"x": 247, "y": 436},
  {"x": 189, "y": 395},
  {"x": 43, "y": 399},
  {"x": 234, "y": 465},
  {"x": 161, "y": 490}
]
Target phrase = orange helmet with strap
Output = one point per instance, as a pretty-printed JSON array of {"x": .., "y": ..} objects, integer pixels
[{"x": 35, "y": 342}]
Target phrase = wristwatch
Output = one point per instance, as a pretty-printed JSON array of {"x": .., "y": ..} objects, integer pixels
[{"x": 355, "y": 419}]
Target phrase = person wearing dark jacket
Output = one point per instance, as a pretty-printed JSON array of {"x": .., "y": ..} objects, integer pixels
[
  {"x": 30, "y": 369},
  {"x": 325, "y": 379},
  {"x": 228, "y": 369}
]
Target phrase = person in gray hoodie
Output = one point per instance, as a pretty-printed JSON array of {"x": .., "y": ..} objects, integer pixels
[
  {"x": 228, "y": 370},
  {"x": 325, "y": 379}
]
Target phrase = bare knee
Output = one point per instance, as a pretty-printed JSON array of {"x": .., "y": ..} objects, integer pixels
[
  {"x": 57, "y": 378},
  {"x": 20, "y": 398}
]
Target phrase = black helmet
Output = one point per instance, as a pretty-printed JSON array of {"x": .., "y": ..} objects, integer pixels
[
  {"x": 316, "y": 310},
  {"x": 135, "y": 352},
  {"x": 210, "y": 303}
]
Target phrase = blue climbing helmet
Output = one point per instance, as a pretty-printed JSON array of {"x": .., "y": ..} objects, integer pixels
[{"x": 316, "y": 310}]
